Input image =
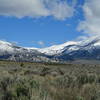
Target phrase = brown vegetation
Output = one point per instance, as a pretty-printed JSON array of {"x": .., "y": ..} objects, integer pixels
[{"x": 35, "y": 81}]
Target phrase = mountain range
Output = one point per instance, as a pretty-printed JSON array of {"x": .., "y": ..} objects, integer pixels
[{"x": 72, "y": 51}]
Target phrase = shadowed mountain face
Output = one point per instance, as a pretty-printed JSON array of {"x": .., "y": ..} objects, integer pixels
[{"x": 69, "y": 51}]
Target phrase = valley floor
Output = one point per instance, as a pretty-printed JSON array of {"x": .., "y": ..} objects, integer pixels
[{"x": 43, "y": 81}]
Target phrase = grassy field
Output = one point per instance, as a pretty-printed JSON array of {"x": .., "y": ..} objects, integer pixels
[{"x": 42, "y": 81}]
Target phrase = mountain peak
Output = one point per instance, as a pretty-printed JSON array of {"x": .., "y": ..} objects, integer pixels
[
  {"x": 55, "y": 49},
  {"x": 5, "y": 43}
]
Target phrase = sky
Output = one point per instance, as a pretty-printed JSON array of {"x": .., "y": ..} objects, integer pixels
[{"x": 42, "y": 23}]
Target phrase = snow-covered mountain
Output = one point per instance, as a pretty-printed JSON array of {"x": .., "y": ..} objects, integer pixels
[
  {"x": 69, "y": 51},
  {"x": 6, "y": 46},
  {"x": 84, "y": 50},
  {"x": 71, "y": 46},
  {"x": 9, "y": 51},
  {"x": 56, "y": 49}
]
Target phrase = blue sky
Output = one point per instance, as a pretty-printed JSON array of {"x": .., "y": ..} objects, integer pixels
[{"x": 42, "y": 31}]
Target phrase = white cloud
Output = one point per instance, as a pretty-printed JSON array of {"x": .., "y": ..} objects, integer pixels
[
  {"x": 36, "y": 8},
  {"x": 41, "y": 43},
  {"x": 91, "y": 24}
]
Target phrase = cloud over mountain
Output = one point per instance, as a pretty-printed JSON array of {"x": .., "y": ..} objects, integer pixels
[{"x": 36, "y": 8}]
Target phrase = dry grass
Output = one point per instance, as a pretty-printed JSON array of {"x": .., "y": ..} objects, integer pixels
[{"x": 38, "y": 81}]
